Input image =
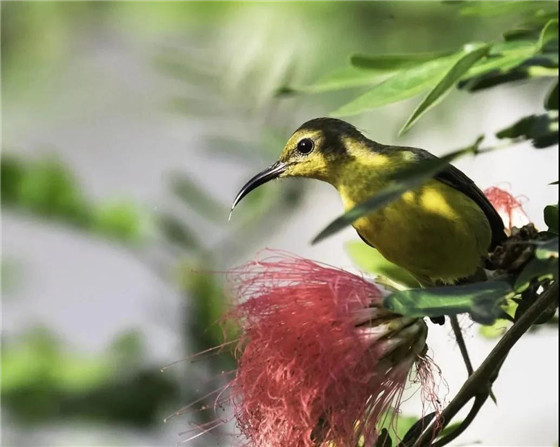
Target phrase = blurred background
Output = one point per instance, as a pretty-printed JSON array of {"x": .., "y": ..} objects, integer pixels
[{"x": 128, "y": 128}]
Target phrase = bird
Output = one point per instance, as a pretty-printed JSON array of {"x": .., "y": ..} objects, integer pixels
[{"x": 440, "y": 232}]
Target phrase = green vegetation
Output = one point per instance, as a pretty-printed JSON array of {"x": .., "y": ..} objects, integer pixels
[{"x": 246, "y": 73}]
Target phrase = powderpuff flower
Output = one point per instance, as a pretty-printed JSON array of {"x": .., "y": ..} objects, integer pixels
[
  {"x": 321, "y": 361},
  {"x": 508, "y": 207}
]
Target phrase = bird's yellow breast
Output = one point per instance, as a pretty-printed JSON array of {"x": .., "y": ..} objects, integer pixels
[{"x": 435, "y": 231}]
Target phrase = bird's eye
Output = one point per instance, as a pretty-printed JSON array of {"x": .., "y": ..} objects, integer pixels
[{"x": 305, "y": 146}]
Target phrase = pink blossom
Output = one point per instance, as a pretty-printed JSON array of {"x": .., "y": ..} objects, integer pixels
[
  {"x": 320, "y": 359},
  {"x": 509, "y": 208}
]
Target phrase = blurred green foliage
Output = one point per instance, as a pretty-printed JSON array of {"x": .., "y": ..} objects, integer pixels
[
  {"x": 230, "y": 60},
  {"x": 48, "y": 189},
  {"x": 43, "y": 381}
]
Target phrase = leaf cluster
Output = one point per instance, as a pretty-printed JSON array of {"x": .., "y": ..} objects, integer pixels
[{"x": 528, "y": 52}]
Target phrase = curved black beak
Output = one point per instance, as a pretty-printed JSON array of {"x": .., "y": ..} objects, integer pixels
[{"x": 262, "y": 177}]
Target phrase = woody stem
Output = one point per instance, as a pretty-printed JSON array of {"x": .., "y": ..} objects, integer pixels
[{"x": 478, "y": 385}]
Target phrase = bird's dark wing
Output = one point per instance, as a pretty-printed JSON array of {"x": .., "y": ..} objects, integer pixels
[{"x": 457, "y": 179}]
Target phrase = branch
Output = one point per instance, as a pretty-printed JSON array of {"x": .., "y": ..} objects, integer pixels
[
  {"x": 477, "y": 405},
  {"x": 479, "y": 383},
  {"x": 461, "y": 342}
]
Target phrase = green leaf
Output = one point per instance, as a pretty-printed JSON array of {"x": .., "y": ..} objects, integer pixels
[
  {"x": 347, "y": 77},
  {"x": 542, "y": 16},
  {"x": 402, "y": 85},
  {"x": 499, "y": 326},
  {"x": 537, "y": 269},
  {"x": 549, "y": 32},
  {"x": 393, "y": 62},
  {"x": 541, "y": 129},
  {"x": 494, "y": 64},
  {"x": 446, "y": 83},
  {"x": 526, "y": 299},
  {"x": 48, "y": 188},
  {"x": 122, "y": 220},
  {"x": 547, "y": 249},
  {"x": 481, "y": 300},
  {"x": 495, "y": 69},
  {"x": 551, "y": 218},
  {"x": 407, "y": 179},
  {"x": 12, "y": 171},
  {"x": 493, "y": 78},
  {"x": 520, "y": 34},
  {"x": 502, "y": 65},
  {"x": 545, "y": 66},
  {"x": 551, "y": 102},
  {"x": 514, "y": 48},
  {"x": 494, "y": 330},
  {"x": 369, "y": 260},
  {"x": 498, "y": 8}
]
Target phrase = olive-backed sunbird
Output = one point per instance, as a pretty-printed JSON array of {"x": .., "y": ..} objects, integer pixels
[{"x": 440, "y": 232}]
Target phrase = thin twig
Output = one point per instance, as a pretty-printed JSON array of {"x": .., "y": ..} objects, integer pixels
[
  {"x": 463, "y": 348},
  {"x": 461, "y": 342},
  {"x": 480, "y": 382}
]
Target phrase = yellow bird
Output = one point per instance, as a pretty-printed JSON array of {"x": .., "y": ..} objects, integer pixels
[{"x": 441, "y": 232}]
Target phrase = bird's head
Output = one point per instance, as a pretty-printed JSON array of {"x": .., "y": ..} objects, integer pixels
[{"x": 317, "y": 149}]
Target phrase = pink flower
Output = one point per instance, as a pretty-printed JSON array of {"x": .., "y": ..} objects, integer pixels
[
  {"x": 320, "y": 360},
  {"x": 508, "y": 207}
]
